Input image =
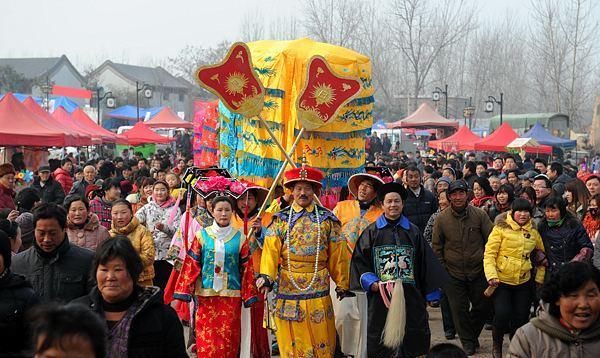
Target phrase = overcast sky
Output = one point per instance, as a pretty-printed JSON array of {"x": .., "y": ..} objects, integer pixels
[{"x": 144, "y": 31}]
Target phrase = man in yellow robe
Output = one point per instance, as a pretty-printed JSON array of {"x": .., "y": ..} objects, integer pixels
[
  {"x": 355, "y": 216},
  {"x": 303, "y": 248}
]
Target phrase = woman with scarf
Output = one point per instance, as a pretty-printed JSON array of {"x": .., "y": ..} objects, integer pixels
[
  {"x": 591, "y": 221},
  {"x": 503, "y": 200},
  {"x": 565, "y": 239},
  {"x": 161, "y": 216},
  {"x": 218, "y": 271},
  {"x": 139, "y": 324},
  {"x": 483, "y": 195},
  {"x": 144, "y": 191},
  {"x": 125, "y": 224},
  {"x": 507, "y": 267},
  {"x": 83, "y": 226}
]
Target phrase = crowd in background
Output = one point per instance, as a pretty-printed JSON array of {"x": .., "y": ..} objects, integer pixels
[{"x": 500, "y": 224}]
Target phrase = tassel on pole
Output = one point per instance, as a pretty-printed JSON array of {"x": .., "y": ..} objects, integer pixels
[{"x": 395, "y": 323}]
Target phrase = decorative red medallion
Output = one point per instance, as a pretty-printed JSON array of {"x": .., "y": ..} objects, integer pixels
[
  {"x": 235, "y": 82},
  {"x": 324, "y": 93}
]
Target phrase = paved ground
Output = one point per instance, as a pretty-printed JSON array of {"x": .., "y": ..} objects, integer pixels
[{"x": 437, "y": 335}]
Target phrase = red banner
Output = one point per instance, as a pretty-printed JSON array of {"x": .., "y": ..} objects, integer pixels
[
  {"x": 71, "y": 92},
  {"x": 324, "y": 93},
  {"x": 235, "y": 82}
]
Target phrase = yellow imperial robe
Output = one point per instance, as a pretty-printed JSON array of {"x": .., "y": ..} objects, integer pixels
[
  {"x": 304, "y": 319},
  {"x": 354, "y": 221},
  {"x": 351, "y": 312}
]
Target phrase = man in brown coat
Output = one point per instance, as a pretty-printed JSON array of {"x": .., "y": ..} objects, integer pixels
[{"x": 459, "y": 236}]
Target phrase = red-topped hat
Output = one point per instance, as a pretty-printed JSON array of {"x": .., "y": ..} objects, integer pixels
[{"x": 303, "y": 173}]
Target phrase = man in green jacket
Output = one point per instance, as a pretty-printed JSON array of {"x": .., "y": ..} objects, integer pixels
[{"x": 459, "y": 237}]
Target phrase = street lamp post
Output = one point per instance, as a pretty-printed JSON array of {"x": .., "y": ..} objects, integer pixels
[
  {"x": 489, "y": 104},
  {"x": 147, "y": 93},
  {"x": 436, "y": 96},
  {"x": 468, "y": 112},
  {"x": 46, "y": 89},
  {"x": 110, "y": 102}
]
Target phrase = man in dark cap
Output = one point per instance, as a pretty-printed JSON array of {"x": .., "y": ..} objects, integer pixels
[
  {"x": 459, "y": 237},
  {"x": 49, "y": 189},
  {"x": 392, "y": 249}
]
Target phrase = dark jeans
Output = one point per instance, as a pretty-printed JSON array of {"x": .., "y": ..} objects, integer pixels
[
  {"x": 470, "y": 308},
  {"x": 447, "y": 321},
  {"x": 511, "y": 304},
  {"x": 162, "y": 272}
]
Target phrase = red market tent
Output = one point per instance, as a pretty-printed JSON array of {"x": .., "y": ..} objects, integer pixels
[
  {"x": 21, "y": 127},
  {"x": 502, "y": 137},
  {"x": 86, "y": 122},
  {"x": 424, "y": 117},
  {"x": 167, "y": 119},
  {"x": 83, "y": 128},
  {"x": 61, "y": 116},
  {"x": 72, "y": 138},
  {"x": 142, "y": 134},
  {"x": 463, "y": 139}
]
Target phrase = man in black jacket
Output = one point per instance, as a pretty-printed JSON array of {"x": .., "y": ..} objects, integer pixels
[
  {"x": 559, "y": 179},
  {"x": 49, "y": 189},
  {"x": 57, "y": 270},
  {"x": 420, "y": 202},
  {"x": 392, "y": 249},
  {"x": 89, "y": 178}
]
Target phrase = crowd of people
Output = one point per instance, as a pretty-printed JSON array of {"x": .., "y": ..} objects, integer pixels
[{"x": 104, "y": 257}]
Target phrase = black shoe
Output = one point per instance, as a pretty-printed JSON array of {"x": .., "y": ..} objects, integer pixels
[
  {"x": 470, "y": 350},
  {"x": 450, "y": 335}
]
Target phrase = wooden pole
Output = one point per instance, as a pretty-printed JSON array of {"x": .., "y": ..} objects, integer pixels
[
  {"x": 278, "y": 177},
  {"x": 287, "y": 156}
]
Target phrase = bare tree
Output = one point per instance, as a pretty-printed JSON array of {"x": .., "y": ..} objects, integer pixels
[
  {"x": 579, "y": 32},
  {"x": 549, "y": 47},
  {"x": 334, "y": 22},
  {"x": 188, "y": 59},
  {"x": 372, "y": 39},
  {"x": 284, "y": 28},
  {"x": 252, "y": 28},
  {"x": 422, "y": 31}
]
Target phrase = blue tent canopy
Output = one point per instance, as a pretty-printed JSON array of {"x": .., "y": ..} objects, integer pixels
[
  {"x": 22, "y": 97},
  {"x": 539, "y": 133},
  {"x": 65, "y": 103},
  {"x": 129, "y": 112},
  {"x": 380, "y": 124}
]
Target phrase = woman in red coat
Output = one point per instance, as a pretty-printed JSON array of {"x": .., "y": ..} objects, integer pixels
[
  {"x": 7, "y": 186},
  {"x": 63, "y": 175}
]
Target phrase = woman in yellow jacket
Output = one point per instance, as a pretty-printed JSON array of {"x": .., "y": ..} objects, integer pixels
[
  {"x": 507, "y": 267},
  {"x": 124, "y": 223}
]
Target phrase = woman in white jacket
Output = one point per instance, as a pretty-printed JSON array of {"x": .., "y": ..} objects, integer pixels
[{"x": 161, "y": 216}]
